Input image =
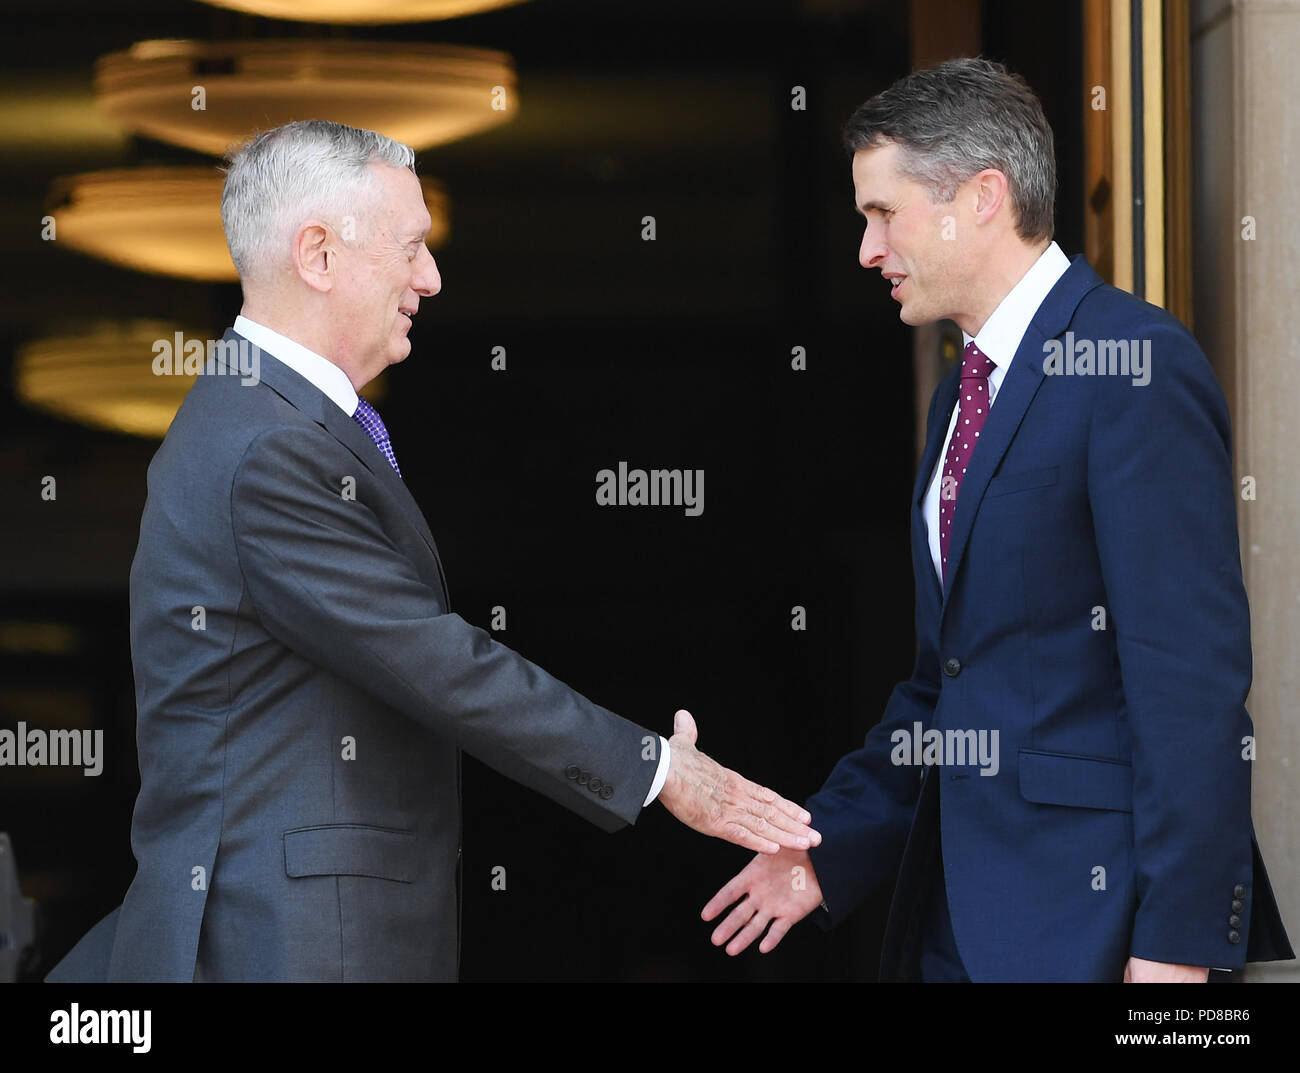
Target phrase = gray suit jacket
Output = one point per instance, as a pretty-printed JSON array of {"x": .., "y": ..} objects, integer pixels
[{"x": 303, "y": 692}]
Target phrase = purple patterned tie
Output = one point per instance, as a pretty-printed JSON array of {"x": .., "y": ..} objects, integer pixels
[
  {"x": 972, "y": 411},
  {"x": 367, "y": 417}
]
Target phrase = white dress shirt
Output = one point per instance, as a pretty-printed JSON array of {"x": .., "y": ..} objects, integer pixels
[
  {"x": 322, "y": 372},
  {"x": 998, "y": 340},
  {"x": 334, "y": 383}
]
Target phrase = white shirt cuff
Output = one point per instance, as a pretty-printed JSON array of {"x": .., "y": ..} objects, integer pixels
[{"x": 661, "y": 774}]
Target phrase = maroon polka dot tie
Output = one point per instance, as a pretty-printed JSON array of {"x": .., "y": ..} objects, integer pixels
[{"x": 972, "y": 411}]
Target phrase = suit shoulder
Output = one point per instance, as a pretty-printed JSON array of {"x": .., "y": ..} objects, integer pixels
[
  {"x": 225, "y": 416},
  {"x": 1109, "y": 311},
  {"x": 215, "y": 428},
  {"x": 1145, "y": 366},
  {"x": 1113, "y": 320}
]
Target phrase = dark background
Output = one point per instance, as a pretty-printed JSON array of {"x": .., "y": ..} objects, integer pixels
[{"x": 666, "y": 354}]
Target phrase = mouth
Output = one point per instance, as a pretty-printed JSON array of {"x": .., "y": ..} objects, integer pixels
[
  {"x": 407, "y": 313},
  {"x": 895, "y": 283}
]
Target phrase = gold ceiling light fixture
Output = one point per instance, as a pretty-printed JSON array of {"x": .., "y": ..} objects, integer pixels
[
  {"x": 211, "y": 96},
  {"x": 167, "y": 221},
  {"x": 104, "y": 376},
  {"x": 362, "y": 11},
  {"x": 131, "y": 375},
  {"x": 161, "y": 220}
]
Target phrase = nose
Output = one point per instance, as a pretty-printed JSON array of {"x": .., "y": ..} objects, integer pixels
[
  {"x": 873, "y": 250},
  {"x": 427, "y": 281}
]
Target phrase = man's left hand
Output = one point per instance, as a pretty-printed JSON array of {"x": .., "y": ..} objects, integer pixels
[{"x": 1141, "y": 971}]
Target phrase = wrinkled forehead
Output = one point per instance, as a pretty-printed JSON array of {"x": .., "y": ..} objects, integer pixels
[{"x": 398, "y": 202}]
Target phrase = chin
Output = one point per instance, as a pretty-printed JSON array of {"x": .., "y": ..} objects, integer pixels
[{"x": 914, "y": 315}]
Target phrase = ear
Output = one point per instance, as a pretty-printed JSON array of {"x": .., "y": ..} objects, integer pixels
[
  {"x": 315, "y": 255},
  {"x": 989, "y": 189}
]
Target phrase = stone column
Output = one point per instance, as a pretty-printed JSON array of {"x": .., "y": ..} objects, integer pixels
[{"x": 1246, "y": 227}]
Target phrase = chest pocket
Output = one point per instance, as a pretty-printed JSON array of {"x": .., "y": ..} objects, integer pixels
[{"x": 1022, "y": 481}]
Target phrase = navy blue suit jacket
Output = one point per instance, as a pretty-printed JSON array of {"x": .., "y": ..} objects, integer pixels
[{"x": 1118, "y": 822}]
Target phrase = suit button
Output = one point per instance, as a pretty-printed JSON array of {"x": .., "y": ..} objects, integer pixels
[
  {"x": 1234, "y": 921},
  {"x": 572, "y": 771},
  {"x": 1239, "y": 891},
  {"x": 952, "y": 667},
  {"x": 583, "y": 777},
  {"x": 595, "y": 785},
  {"x": 607, "y": 791},
  {"x": 1234, "y": 936},
  {"x": 1238, "y": 905}
]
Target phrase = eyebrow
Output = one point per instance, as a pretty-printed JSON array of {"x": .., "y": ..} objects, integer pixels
[{"x": 879, "y": 206}]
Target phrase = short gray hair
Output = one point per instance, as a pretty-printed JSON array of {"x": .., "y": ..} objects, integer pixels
[
  {"x": 289, "y": 174},
  {"x": 958, "y": 118}
]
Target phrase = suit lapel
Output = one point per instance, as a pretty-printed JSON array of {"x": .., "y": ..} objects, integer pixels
[
  {"x": 312, "y": 402},
  {"x": 1018, "y": 389},
  {"x": 1013, "y": 398},
  {"x": 354, "y": 438},
  {"x": 947, "y": 392}
]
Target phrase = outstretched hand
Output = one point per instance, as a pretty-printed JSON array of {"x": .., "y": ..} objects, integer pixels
[
  {"x": 716, "y": 801},
  {"x": 779, "y": 890}
]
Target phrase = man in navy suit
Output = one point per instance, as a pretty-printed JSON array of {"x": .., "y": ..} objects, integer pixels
[{"x": 1061, "y": 791}]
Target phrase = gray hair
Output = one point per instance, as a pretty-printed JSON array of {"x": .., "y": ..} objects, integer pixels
[
  {"x": 287, "y": 175},
  {"x": 958, "y": 118}
]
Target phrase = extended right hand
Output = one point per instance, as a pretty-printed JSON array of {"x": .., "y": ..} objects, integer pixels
[
  {"x": 778, "y": 889},
  {"x": 716, "y": 801}
]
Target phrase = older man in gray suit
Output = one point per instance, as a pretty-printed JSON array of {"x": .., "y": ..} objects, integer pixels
[{"x": 303, "y": 686}]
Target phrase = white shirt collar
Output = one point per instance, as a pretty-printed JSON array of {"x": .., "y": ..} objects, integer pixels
[
  {"x": 321, "y": 372},
  {"x": 1000, "y": 337}
]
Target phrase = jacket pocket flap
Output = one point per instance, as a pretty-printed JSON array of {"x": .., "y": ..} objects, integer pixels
[
  {"x": 350, "y": 850},
  {"x": 1081, "y": 781},
  {"x": 1019, "y": 482}
]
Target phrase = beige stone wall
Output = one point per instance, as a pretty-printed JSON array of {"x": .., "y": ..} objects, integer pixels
[{"x": 1246, "y": 162}]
